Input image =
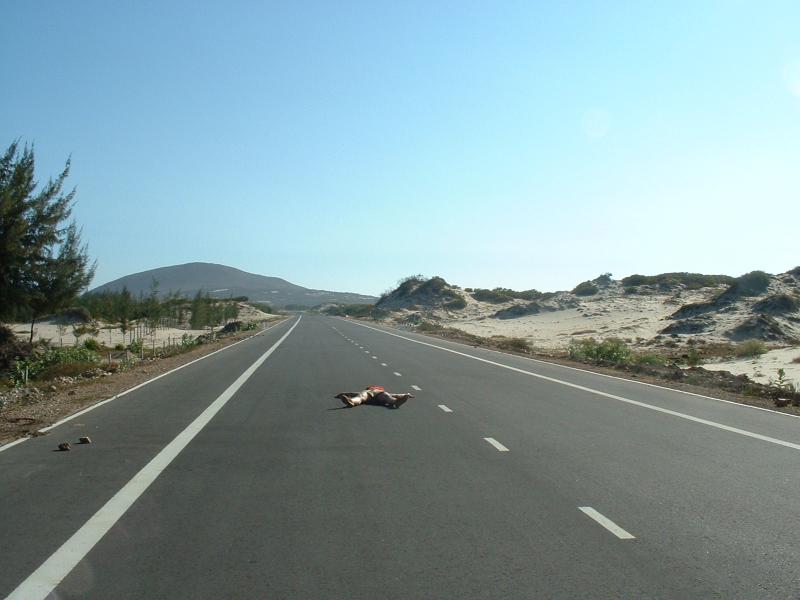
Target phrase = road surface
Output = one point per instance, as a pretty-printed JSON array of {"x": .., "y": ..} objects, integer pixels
[{"x": 240, "y": 476}]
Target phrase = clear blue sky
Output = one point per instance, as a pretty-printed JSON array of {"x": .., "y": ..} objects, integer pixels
[{"x": 343, "y": 145}]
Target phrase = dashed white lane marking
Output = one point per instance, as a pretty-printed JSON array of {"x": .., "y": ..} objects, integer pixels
[
  {"x": 46, "y": 578},
  {"x": 375, "y": 357},
  {"x": 366, "y": 351},
  {"x": 496, "y": 444},
  {"x": 384, "y": 364},
  {"x": 607, "y": 523},
  {"x": 416, "y": 387},
  {"x": 444, "y": 408},
  {"x": 666, "y": 411},
  {"x": 398, "y": 374}
]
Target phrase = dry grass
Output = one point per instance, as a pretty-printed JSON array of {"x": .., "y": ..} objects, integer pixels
[{"x": 750, "y": 348}]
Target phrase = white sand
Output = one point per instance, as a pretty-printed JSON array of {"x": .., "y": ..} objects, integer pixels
[
  {"x": 765, "y": 367},
  {"x": 633, "y": 318}
]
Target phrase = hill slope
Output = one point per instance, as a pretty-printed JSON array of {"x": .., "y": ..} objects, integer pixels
[{"x": 221, "y": 281}]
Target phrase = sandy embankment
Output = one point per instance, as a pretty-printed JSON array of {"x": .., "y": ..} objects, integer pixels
[
  {"x": 765, "y": 367},
  {"x": 635, "y": 319}
]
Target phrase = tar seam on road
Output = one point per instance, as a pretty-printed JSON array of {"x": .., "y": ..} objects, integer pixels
[
  {"x": 607, "y": 523},
  {"x": 666, "y": 411},
  {"x": 47, "y": 577},
  {"x": 133, "y": 389},
  {"x": 496, "y": 444},
  {"x": 444, "y": 408}
]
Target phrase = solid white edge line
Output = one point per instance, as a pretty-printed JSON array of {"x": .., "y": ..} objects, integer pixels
[
  {"x": 53, "y": 571},
  {"x": 606, "y": 522},
  {"x": 445, "y": 409},
  {"x": 674, "y": 413},
  {"x": 617, "y": 377},
  {"x": 134, "y": 388},
  {"x": 416, "y": 387},
  {"x": 496, "y": 444},
  {"x": 14, "y": 443}
]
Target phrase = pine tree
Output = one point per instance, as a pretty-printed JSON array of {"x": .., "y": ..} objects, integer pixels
[
  {"x": 43, "y": 265},
  {"x": 199, "y": 317}
]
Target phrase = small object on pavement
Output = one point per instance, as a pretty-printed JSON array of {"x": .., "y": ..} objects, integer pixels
[
  {"x": 64, "y": 446},
  {"x": 373, "y": 394},
  {"x": 85, "y": 440}
]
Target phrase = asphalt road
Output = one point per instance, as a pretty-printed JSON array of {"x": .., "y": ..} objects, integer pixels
[{"x": 240, "y": 476}]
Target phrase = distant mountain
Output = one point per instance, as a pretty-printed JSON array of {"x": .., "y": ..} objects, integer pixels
[{"x": 222, "y": 282}]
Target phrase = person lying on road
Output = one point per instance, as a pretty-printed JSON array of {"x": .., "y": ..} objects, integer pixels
[{"x": 373, "y": 394}]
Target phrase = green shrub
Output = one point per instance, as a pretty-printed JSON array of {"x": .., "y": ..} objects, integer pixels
[
  {"x": 499, "y": 295},
  {"x": 693, "y": 358},
  {"x": 92, "y": 344},
  {"x": 514, "y": 344},
  {"x": 649, "y": 358},
  {"x": 751, "y": 284},
  {"x": 457, "y": 304},
  {"x": 429, "y": 326},
  {"x": 603, "y": 280},
  {"x": 37, "y": 366},
  {"x": 750, "y": 348},
  {"x": 610, "y": 351},
  {"x": 349, "y": 310},
  {"x": 136, "y": 345},
  {"x": 693, "y": 281},
  {"x": 587, "y": 288},
  {"x": 492, "y": 296}
]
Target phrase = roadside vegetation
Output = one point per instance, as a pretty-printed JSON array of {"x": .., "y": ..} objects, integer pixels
[
  {"x": 692, "y": 281},
  {"x": 499, "y": 295},
  {"x": 668, "y": 365},
  {"x": 587, "y": 288},
  {"x": 750, "y": 348}
]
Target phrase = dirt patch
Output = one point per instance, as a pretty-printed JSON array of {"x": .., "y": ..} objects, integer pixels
[{"x": 32, "y": 408}]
